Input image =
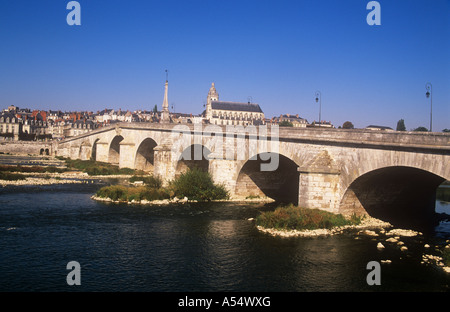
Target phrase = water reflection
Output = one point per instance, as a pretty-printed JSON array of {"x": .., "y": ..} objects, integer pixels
[{"x": 198, "y": 247}]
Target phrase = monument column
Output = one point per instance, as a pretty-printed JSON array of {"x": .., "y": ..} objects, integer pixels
[{"x": 165, "y": 118}]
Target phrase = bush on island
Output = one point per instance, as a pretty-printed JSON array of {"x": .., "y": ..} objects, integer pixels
[
  {"x": 193, "y": 184},
  {"x": 196, "y": 184},
  {"x": 291, "y": 217}
]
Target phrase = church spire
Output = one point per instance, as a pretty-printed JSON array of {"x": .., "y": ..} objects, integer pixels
[{"x": 165, "y": 106}]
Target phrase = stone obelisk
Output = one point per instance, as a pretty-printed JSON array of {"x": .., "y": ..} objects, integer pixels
[{"x": 165, "y": 107}]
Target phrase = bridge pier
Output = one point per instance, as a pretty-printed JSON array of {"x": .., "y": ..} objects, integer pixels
[
  {"x": 319, "y": 190},
  {"x": 164, "y": 164},
  {"x": 126, "y": 155},
  {"x": 85, "y": 151},
  {"x": 74, "y": 152},
  {"x": 319, "y": 184},
  {"x": 102, "y": 151},
  {"x": 223, "y": 172}
]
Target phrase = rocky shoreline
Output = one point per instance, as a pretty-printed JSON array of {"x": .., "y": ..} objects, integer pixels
[
  {"x": 176, "y": 200},
  {"x": 366, "y": 224},
  {"x": 383, "y": 232},
  {"x": 33, "y": 179}
]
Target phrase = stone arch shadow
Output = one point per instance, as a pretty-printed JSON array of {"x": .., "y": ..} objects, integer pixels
[
  {"x": 281, "y": 184},
  {"x": 401, "y": 195},
  {"x": 145, "y": 155},
  {"x": 114, "y": 150},
  {"x": 94, "y": 150},
  {"x": 193, "y": 156}
]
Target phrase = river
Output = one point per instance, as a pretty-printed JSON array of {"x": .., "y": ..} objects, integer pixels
[{"x": 211, "y": 247}]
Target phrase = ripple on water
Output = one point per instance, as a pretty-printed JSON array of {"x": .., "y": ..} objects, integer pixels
[{"x": 198, "y": 247}]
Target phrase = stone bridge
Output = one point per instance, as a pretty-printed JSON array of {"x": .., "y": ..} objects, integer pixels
[{"x": 388, "y": 175}]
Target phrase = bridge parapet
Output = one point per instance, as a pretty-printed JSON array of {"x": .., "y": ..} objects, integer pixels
[{"x": 357, "y": 137}]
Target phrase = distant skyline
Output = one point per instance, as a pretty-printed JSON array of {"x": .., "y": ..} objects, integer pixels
[{"x": 276, "y": 53}]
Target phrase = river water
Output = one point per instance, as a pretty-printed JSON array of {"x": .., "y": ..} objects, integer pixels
[{"x": 188, "y": 248}]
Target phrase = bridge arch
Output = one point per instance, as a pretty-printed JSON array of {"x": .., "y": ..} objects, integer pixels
[
  {"x": 145, "y": 155},
  {"x": 193, "y": 156},
  {"x": 281, "y": 184},
  {"x": 94, "y": 149},
  {"x": 401, "y": 195},
  {"x": 114, "y": 150}
]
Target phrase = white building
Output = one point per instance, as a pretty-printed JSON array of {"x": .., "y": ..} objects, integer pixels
[{"x": 231, "y": 113}]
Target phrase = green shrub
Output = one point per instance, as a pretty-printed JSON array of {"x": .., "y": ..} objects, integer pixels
[
  {"x": 296, "y": 218},
  {"x": 443, "y": 193},
  {"x": 446, "y": 256},
  {"x": 197, "y": 185},
  {"x": 92, "y": 167},
  {"x": 193, "y": 184},
  {"x": 11, "y": 176},
  {"x": 126, "y": 171},
  {"x": 150, "y": 181},
  {"x": 115, "y": 192},
  {"x": 35, "y": 169},
  {"x": 129, "y": 193}
]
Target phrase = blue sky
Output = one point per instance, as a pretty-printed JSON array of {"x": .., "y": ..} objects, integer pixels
[{"x": 277, "y": 53}]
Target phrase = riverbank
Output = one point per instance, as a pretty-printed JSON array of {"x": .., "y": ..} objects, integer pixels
[
  {"x": 33, "y": 179},
  {"x": 184, "y": 200},
  {"x": 17, "y": 170}
]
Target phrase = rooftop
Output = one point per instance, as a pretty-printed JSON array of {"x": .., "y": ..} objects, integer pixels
[{"x": 236, "y": 106}]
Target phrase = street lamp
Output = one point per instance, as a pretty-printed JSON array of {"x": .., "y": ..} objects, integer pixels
[
  {"x": 319, "y": 99},
  {"x": 429, "y": 94}
]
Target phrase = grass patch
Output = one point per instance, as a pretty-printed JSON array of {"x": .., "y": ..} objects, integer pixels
[
  {"x": 127, "y": 193},
  {"x": 446, "y": 256},
  {"x": 31, "y": 169},
  {"x": 11, "y": 176},
  {"x": 92, "y": 167},
  {"x": 291, "y": 217},
  {"x": 150, "y": 181}
]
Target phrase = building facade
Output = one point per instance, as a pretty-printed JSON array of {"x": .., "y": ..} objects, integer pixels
[
  {"x": 295, "y": 120},
  {"x": 10, "y": 127},
  {"x": 231, "y": 113}
]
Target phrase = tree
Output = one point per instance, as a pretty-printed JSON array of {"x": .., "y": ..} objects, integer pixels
[
  {"x": 348, "y": 125},
  {"x": 446, "y": 130},
  {"x": 401, "y": 125},
  {"x": 421, "y": 129},
  {"x": 155, "y": 109}
]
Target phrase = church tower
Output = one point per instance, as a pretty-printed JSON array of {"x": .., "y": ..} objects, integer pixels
[{"x": 212, "y": 96}]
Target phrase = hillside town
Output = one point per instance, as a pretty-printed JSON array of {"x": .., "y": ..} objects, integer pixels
[{"x": 26, "y": 124}]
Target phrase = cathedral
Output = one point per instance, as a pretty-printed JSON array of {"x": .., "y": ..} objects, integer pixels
[{"x": 231, "y": 113}]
